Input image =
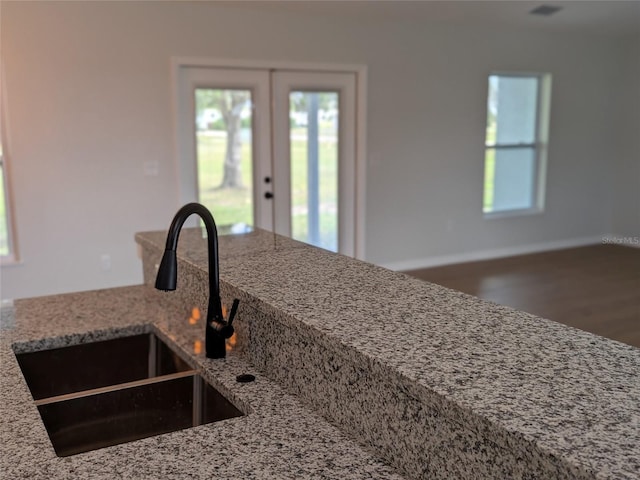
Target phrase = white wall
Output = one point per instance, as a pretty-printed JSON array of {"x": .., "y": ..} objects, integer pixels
[
  {"x": 626, "y": 199},
  {"x": 89, "y": 100}
]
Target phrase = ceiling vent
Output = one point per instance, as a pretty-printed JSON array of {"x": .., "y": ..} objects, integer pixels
[{"x": 545, "y": 10}]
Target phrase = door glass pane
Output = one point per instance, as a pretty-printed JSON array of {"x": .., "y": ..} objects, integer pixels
[
  {"x": 314, "y": 167},
  {"x": 224, "y": 155}
]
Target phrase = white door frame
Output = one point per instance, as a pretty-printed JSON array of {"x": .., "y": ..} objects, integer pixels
[
  {"x": 257, "y": 81},
  {"x": 185, "y": 187},
  {"x": 285, "y": 82}
]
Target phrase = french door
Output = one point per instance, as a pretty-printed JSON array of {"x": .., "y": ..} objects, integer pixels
[{"x": 272, "y": 149}]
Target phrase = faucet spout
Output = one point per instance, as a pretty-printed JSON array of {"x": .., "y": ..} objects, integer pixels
[{"x": 217, "y": 330}]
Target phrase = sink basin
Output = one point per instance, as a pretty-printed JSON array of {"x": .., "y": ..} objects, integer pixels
[
  {"x": 105, "y": 393},
  {"x": 125, "y": 414},
  {"x": 87, "y": 366}
]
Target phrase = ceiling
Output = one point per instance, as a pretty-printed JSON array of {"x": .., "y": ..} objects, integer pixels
[{"x": 608, "y": 17}]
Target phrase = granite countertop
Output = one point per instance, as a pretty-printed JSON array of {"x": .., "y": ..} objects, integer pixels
[
  {"x": 534, "y": 385},
  {"x": 496, "y": 393},
  {"x": 277, "y": 438}
]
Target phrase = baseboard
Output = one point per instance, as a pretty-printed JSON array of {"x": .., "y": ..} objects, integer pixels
[{"x": 437, "y": 261}]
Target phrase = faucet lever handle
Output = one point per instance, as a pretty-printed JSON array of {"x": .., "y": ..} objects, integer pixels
[
  {"x": 234, "y": 310},
  {"x": 223, "y": 327}
]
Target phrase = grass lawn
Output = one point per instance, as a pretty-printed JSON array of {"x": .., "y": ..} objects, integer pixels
[
  {"x": 228, "y": 206},
  {"x": 231, "y": 206}
]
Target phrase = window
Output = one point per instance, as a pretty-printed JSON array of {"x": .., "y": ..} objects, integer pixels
[
  {"x": 515, "y": 144},
  {"x": 7, "y": 253},
  {"x": 4, "y": 223}
]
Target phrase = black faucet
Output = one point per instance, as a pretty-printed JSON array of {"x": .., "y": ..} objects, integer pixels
[{"x": 217, "y": 329}]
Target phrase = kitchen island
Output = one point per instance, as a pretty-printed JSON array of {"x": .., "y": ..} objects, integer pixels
[
  {"x": 277, "y": 438},
  {"x": 372, "y": 366}
]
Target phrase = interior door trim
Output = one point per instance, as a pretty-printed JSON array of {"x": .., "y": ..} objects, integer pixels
[
  {"x": 283, "y": 82},
  {"x": 177, "y": 64}
]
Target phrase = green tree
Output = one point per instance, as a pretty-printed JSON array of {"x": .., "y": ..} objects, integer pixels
[
  {"x": 229, "y": 104},
  {"x": 299, "y": 100}
]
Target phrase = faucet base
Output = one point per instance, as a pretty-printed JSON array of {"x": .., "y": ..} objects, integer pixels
[{"x": 216, "y": 345}]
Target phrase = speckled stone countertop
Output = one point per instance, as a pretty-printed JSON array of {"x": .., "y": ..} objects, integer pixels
[
  {"x": 498, "y": 393},
  {"x": 277, "y": 439},
  {"x": 441, "y": 384}
]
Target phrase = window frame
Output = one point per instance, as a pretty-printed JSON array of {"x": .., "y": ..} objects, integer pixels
[
  {"x": 12, "y": 256},
  {"x": 538, "y": 146}
]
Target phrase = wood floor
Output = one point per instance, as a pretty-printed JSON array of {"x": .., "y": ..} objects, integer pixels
[{"x": 594, "y": 288}]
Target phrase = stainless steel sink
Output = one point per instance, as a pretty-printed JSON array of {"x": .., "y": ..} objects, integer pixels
[
  {"x": 98, "y": 364},
  {"x": 100, "y": 394}
]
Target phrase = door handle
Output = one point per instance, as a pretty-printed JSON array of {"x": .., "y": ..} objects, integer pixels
[{"x": 268, "y": 195}]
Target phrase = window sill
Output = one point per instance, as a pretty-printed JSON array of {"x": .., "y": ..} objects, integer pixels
[{"x": 513, "y": 213}]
